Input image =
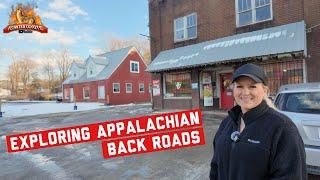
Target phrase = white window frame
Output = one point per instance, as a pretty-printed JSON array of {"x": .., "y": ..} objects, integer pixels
[
  {"x": 113, "y": 88},
  {"x": 100, "y": 94},
  {"x": 134, "y": 62},
  {"x": 83, "y": 92},
  {"x": 127, "y": 91},
  {"x": 185, "y": 28},
  {"x": 143, "y": 88},
  {"x": 253, "y": 12}
]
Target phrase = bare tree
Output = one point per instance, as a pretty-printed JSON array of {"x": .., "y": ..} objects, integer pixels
[
  {"x": 13, "y": 76},
  {"x": 13, "y": 71},
  {"x": 48, "y": 68},
  {"x": 64, "y": 62},
  {"x": 143, "y": 45},
  {"x": 26, "y": 67}
]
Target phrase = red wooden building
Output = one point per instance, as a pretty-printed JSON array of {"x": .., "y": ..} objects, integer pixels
[{"x": 116, "y": 77}]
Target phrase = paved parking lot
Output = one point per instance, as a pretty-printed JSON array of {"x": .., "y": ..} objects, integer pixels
[{"x": 85, "y": 161}]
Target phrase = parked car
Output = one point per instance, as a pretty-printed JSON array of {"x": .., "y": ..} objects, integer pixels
[
  {"x": 301, "y": 102},
  {"x": 58, "y": 97}
]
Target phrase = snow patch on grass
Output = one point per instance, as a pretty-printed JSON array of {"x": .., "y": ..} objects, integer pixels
[{"x": 29, "y": 109}]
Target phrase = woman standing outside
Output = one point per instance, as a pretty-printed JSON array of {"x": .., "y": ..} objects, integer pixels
[{"x": 254, "y": 141}]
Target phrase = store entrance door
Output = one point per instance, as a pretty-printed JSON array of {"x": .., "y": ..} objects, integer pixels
[{"x": 226, "y": 100}]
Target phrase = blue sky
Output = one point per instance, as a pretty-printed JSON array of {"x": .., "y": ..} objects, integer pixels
[{"x": 82, "y": 26}]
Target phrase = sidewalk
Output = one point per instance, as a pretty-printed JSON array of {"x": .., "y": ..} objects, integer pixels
[{"x": 215, "y": 112}]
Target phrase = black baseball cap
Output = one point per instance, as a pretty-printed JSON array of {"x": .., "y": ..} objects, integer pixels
[{"x": 252, "y": 71}]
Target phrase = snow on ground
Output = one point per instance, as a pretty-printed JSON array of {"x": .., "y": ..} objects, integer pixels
[
  {"x": 131, "y": 104},
  {"x": 15, "y": 109}
]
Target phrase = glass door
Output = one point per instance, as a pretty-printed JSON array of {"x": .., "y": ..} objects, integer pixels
[{"x": 207, "y": 89}]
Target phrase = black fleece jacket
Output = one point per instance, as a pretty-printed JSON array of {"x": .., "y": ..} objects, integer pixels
[{"x": 269, "y": 147}]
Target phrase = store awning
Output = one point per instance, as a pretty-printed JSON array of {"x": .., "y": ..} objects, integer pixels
[{"x": 276, "y": 40}]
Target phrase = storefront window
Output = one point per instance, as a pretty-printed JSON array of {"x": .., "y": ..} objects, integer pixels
[
  {"x": 208, "y": 88},
  {"x": 177, "y": 85},
  {"x": 280, "y": 73}
]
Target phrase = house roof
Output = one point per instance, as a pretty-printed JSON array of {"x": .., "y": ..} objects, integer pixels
[
  {"x": 80, "y": 65},
  {"x": 276, "y": 40},
  {"x": 110, "y": 60},
  {"x": 102, "y": 60}
]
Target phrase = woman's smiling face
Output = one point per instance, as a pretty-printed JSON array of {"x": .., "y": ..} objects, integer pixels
[{"x": 247, "y": 93}]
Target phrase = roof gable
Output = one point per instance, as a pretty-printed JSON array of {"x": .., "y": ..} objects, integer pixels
[{"x": 110, "y": 61}]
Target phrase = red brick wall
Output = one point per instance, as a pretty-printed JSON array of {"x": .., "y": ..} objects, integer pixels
[
  {"x": 177, "y": 104},
  {"x": 216, "y": 19},
  {"x": 312, "y": 17}
]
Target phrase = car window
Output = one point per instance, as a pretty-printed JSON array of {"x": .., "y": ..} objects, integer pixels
[
  {"x": 279, "y": 101},
  {"x": 302, "y": 102}
]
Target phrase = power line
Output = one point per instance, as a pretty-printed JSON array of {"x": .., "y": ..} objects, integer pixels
[{"x": 312, "y": 27}]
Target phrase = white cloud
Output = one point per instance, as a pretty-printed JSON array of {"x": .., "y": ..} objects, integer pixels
[
  {"x": 85, "y": 37},
  {"x": 37, "y": 57},
  {"x": 20, "y": 37},
  {"x": 61, "y": 37},
  {"x": 53, "y": 16},
  {"x": 66, "y": 8},
  {"x": 76, "y": 10},
  {"x": 53, "y": 36},
  {"x": 2, "y": 6},
  {"x": 60, "y": 4}
]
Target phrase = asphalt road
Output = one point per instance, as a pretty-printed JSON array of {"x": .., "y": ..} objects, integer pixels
[{"x": 85, "y": 161}]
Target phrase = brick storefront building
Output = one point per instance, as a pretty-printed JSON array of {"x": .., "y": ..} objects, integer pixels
[
  {"x": 197, "y": 44},
  {"x": 116, "y": 77}
]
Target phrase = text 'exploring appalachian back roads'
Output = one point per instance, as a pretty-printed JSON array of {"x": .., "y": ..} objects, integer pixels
[{"x": 122, "y": 137}]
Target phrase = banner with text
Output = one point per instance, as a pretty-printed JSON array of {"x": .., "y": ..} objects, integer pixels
[{"x": 121, "y": 137}]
